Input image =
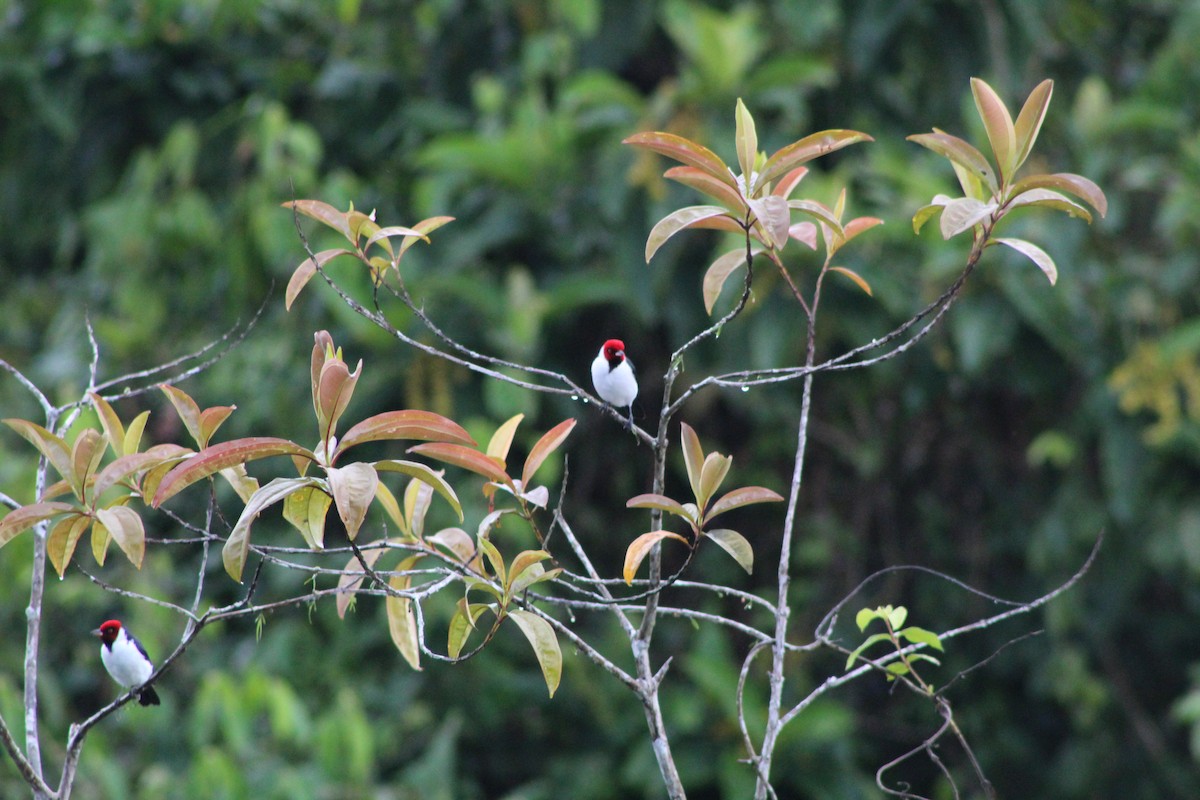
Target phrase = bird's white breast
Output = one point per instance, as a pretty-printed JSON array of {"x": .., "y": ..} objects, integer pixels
[{"x": 125, "y": 663}]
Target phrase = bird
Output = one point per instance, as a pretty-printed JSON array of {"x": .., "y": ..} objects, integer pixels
[
  {"x": 612, "y": 375},
  {"x": 126, "y": 660}
]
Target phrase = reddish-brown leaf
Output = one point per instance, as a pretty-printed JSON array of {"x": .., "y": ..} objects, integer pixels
[
  {"x": 810, "y": 147},
  {"x": 684, "y": 151},
  {"x": 960, "y": 152},
  {"x": 213, "y": 459},
  {"x": 550, "y": 441},
  {"x": 1077, "y": 185},
  {"x": 465, "y": 457},
  {"x": 702, "y": 182},
  {"x": 323, "y": 213},
  {"x": 678, "y": 220},
  {"x": 640, "y": 547},
  {"x": 306, "y": 270},
  {"x": 998, "y": 124},
  {"x": 408, "y": 424},
  {"x": 659, "y": 501},
  {"x": 747, "y": 495}
]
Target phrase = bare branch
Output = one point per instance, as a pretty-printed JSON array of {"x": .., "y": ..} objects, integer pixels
[{"x": 159, "y": 374}]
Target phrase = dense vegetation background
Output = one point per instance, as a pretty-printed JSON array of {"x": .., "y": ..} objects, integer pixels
[{"x": 145, "y": 147}]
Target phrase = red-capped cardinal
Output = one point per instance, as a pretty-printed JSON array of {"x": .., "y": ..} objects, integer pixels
[
  {"x": 612, "y": 375},
  {"x": 126, "y": 660}
]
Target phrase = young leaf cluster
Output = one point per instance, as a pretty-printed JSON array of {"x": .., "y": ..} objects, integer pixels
[
  {"x": 503, "y": 584},
  {"x": 991, "y": 189},
  {"x": 101, "y": 496},
  {"x": 757, "y": 202},
  {"x": 706, "y": 473},
  {"x": 368, "y": 242},
  {"x": 898, "y": 637}
]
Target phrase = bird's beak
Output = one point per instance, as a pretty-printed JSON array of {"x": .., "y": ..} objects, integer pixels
[{"x": 97, "y": 633}]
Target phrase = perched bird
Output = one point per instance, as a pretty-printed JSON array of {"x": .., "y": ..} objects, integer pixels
[
  {"x": 126, "y": 660},
  {"x": 612, "y": 375}
]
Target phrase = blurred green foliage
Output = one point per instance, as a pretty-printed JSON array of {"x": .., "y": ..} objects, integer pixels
[{"x": 145, "y": 148}]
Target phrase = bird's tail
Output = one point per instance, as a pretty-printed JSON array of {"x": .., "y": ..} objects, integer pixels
[{"x": 148, "y": 697}]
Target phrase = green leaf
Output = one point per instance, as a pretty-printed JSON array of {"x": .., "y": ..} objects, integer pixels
[
  {"x": 390, "y": 507},
  {"x": 921, "y": 636},
  {"x": 63, "y": 537},
  {"x": 640, "y": 547},
  {"x": 237, "y": 477},
  {"x": 712, "y": 475},
  {"x": 1029, "y": 121},
  {"x": 495, "y": 559},
  {"x": 678, "y": 220},
  {"x": 865, "y": 617},
  {"x": 418, "y": 496},
  {"x": 111, "y": 423},
  {"x": 545, "y": 645},
  {"x": 896, "y": 616},
  {"x": 1034, "y": 253},
  {"x": 461, "y": 625},
  {"x": 306, "y": 509},
  {"x": 528, "y": 561},
  {"x": 923, "y": 657},
  {"x": 925, "y": 213},
  {"x": 127, "y": 465},
  {"x": 998, "y": 124},
  {"x": 870, "y": 640},
  {"x": 133, "y": 434},
  {"x": 402, "y": 623},
  {"x": 550, "y": 441},
  {"x": 746, "y": 140},
  {"x": 423, "y": 473},
  {"x": 736, "y": 545},
  {"x": 100, "y": 538},
  {"x": 353, "y": 488},
  {"x": 896, "y": 669},
  {"x": 501, "y": 440},
  {"x": 125, "y": 527},
  {"x": 693, "y": 456}
]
